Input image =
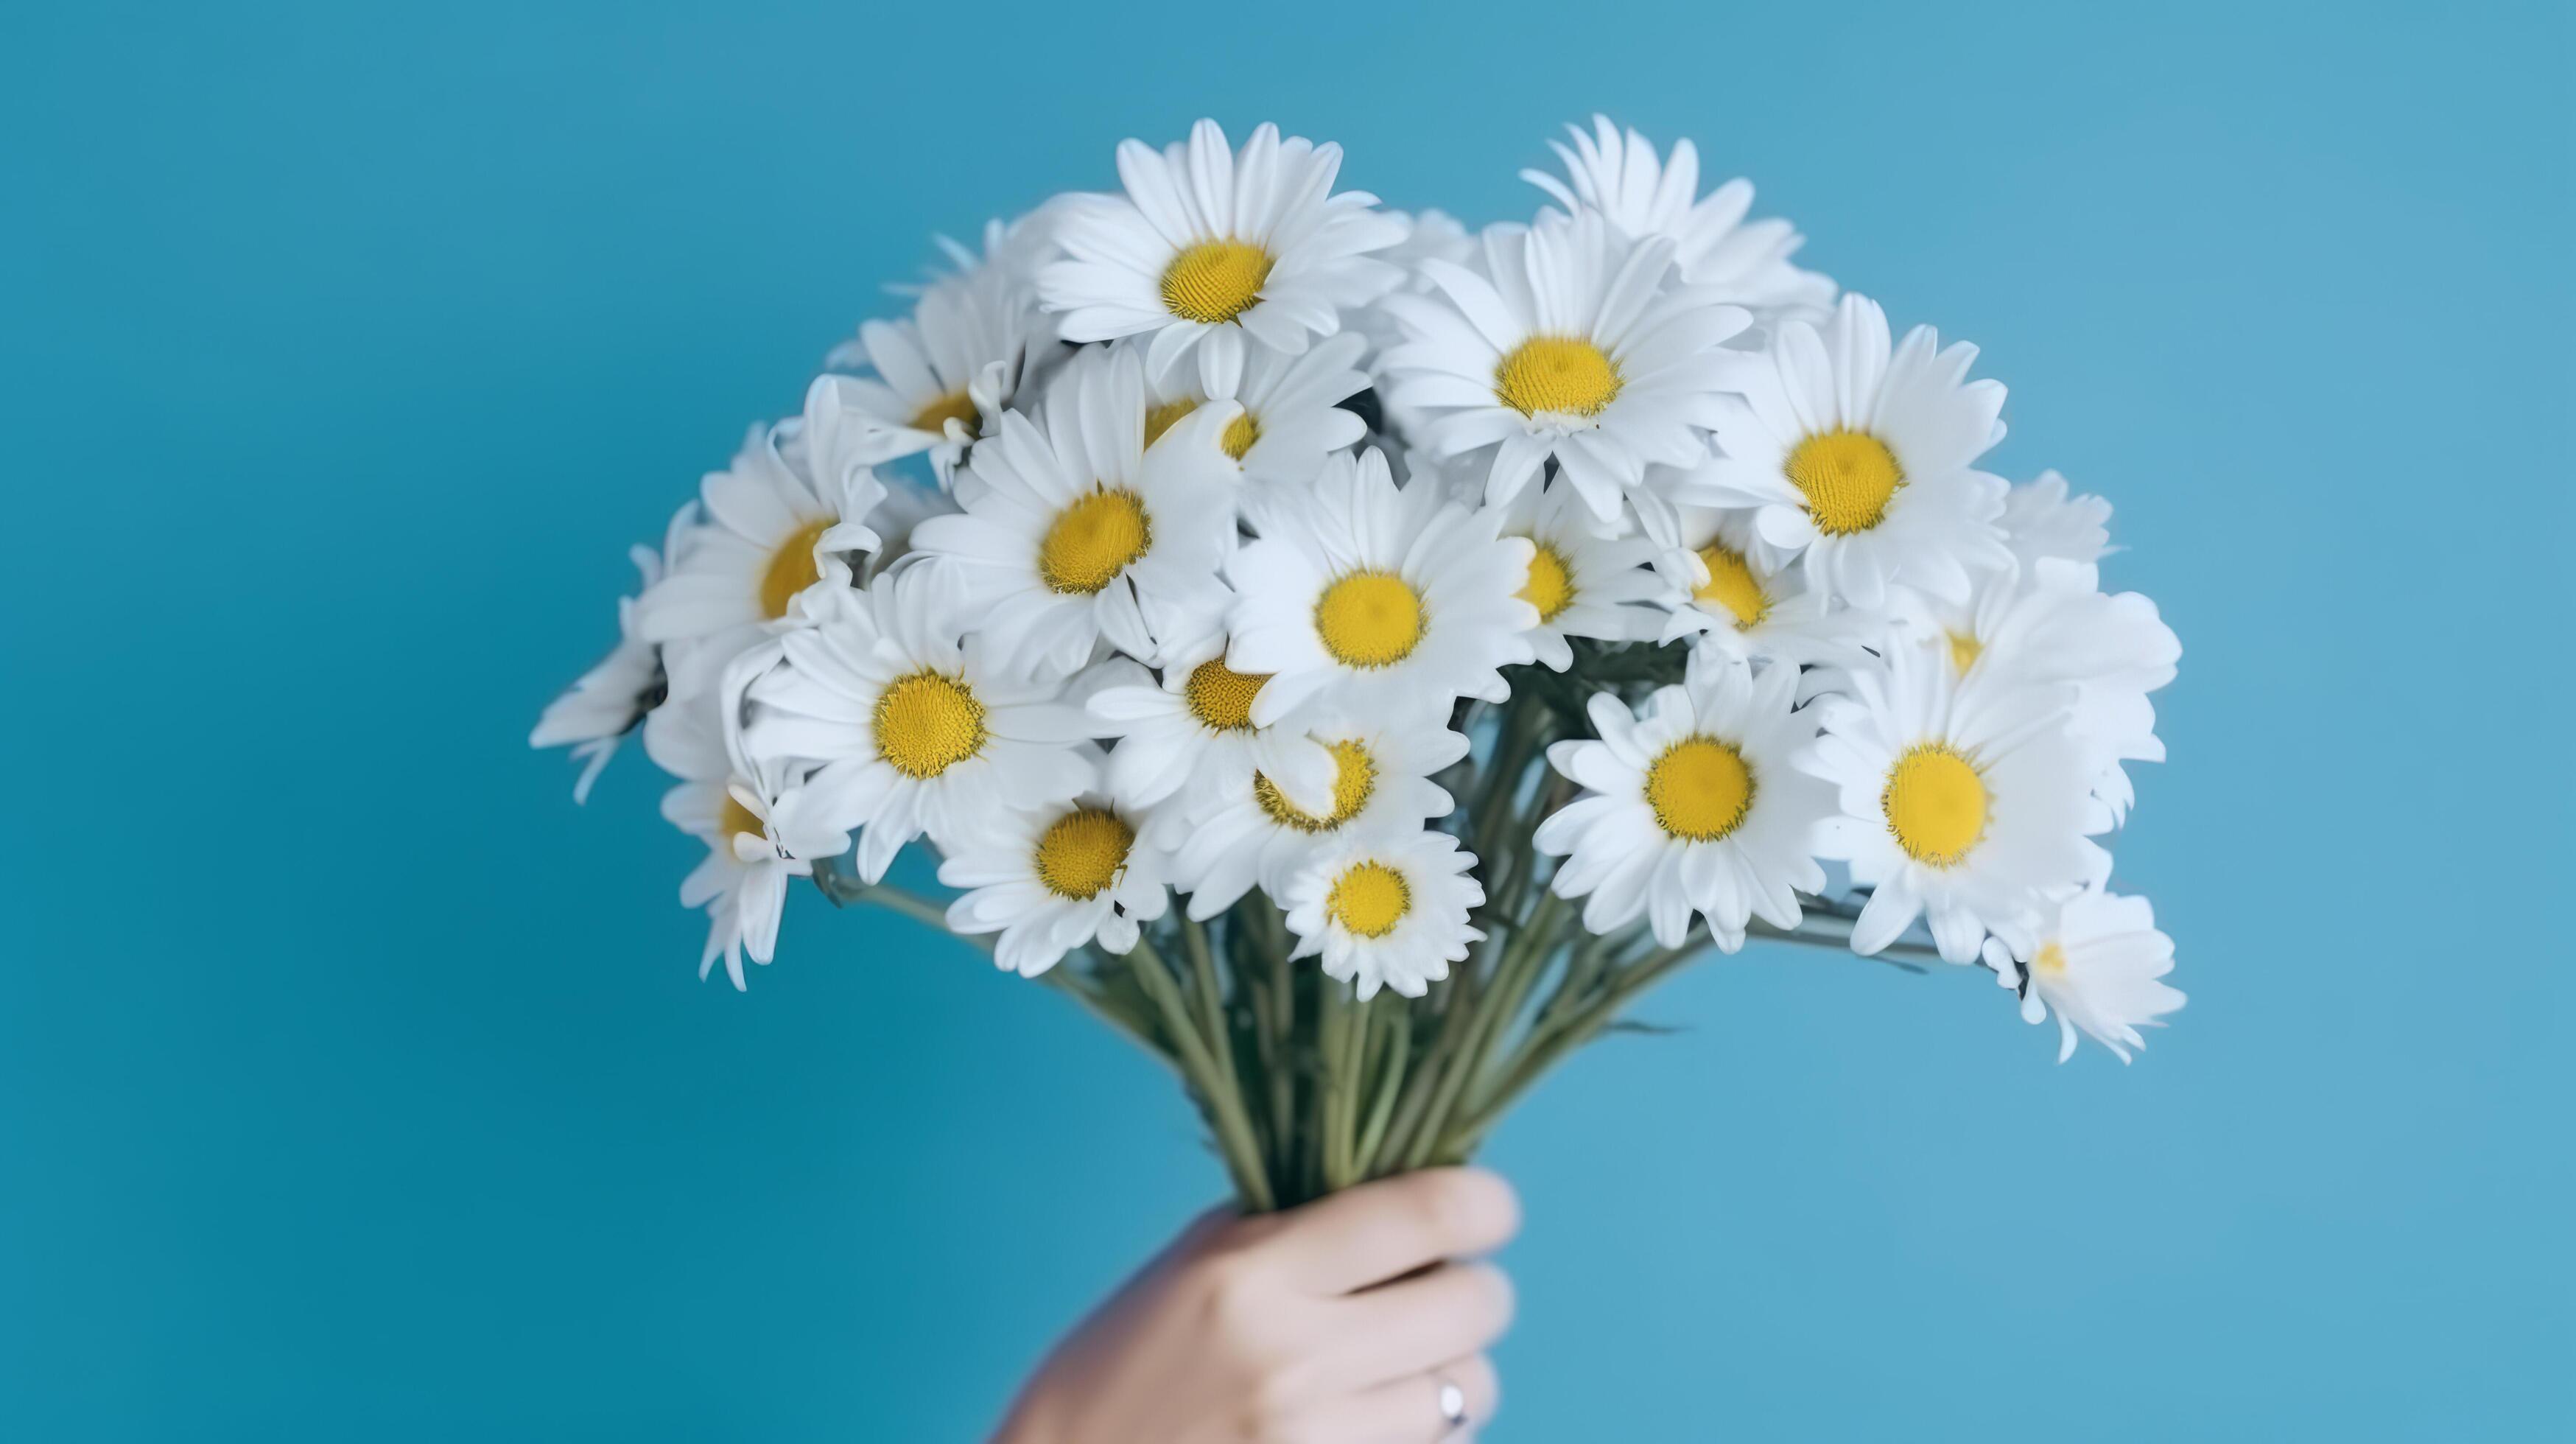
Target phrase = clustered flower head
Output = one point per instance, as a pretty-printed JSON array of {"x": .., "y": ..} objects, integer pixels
[{"x": 1190, "y": 538}]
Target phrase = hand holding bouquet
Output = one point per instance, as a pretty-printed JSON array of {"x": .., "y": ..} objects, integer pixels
[{"x": 1355, "y": 658}]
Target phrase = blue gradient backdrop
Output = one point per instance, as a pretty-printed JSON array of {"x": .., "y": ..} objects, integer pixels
[{"x": 354, "y": 1085}]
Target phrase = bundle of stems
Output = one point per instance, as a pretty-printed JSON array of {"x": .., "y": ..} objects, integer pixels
[{"x": 1306, "y": 1090}]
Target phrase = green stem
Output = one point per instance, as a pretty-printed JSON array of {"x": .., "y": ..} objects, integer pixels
[
  {"x": 1333, "y": 1038},
  {"x": 1068, "y": 980},
  {"x": 1577, "y": 1021},
  {"x": 1523, "y": 958},
  {"x": 1534, "y": 1062},
  {"x": 1522, "y": 723},
  {"x": 894, "y": 899},
  {"x": 1064, "y": 977},
  {"x": 1224, "y": 1101},
  {"x": 1457, "y": 1015},
  {"x": 1390, "y": 1077},
  {"x": 1220, "y": 1029}
]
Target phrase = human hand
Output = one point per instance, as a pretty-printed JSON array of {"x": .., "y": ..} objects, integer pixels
[{"x": 1336, "y": 1323}]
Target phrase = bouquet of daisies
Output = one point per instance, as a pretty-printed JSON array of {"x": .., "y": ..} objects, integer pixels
[{"x": 1355, "y": 657}]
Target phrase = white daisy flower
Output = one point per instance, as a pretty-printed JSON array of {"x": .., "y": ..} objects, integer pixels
[
  {"x": 942, "y": 375},
  {"x": 772, "y": 543},
  {"x": 1292, "y": 415},
  {"x": 913, "y": 733},
  {"x": 1054, "y": 880},
  {"x": 1969, "y": 806},
  {"x": 1385, "y": 909},
  {"x": 1073, "y": 531},
  {"x": 2042, "y": 520},
  {"x": 1714, "y": 246},
  {"x": 1692, "y": 804},
  {"x": 1194, "y": 734},
  {"x": 2050, "y": 624},
  {"x": 1013, "y": 252},
  {"x": 1378, "y": 599},
  {"x": 2096, "y": 964},
  {"x": 1582, "y": 583},
  {"x": 1861, "y": 460},
  {"x": 1570, "y": 343},
  {"x": 1207, "y": 247},
  {"x": 758, "y": 837},
  {"x": 608, "y": 701},
  {"x": 1718, "y": 589},
  {"x": 1255, "y": 834}
]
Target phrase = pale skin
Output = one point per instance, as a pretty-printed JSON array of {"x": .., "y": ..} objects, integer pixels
[{"x": 1334, "y": 1322}]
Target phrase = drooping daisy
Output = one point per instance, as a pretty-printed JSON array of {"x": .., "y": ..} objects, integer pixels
[
  {"x": 1074, "y": 531},
  {"x": 758, "y": 836},
  {"x": 1378, "y": 600},
  {"x": 1582, "y": 583},
  {"x": 1195, "y": 732},
  {"x": 1968, "y": 806},
  {"x": 1054, "y": 880},
  {"x": 1714, "y": 246},
  {"x": 1860, "y": 461},
  {"x": 2041, "y": 519},
  {"x": 1292, "y": 415},
  {"x": 1571, "y": 342},
  {"x": 1718, "y": 589},
  {"x": 2050, "y": 623},
  {"x": 1694, "y": 803},
  {"x": 941, "y": 375},
  {"x": 1254, "y": 834},
  {"x": 1385, "y": 909},
  {"x": 1207, "y": 247},
  {"x": 2096, "y": 964},
  {"x": 605, "y": 703},
  {"x": 913, "y": 732},
  {"x": 773, "y": 541}
]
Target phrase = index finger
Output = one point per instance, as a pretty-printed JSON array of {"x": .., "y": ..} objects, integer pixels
[{"x": 1385, "y": 1230}]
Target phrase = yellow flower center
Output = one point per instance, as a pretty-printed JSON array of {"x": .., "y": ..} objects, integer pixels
[
  {"x": 1731, "y": 584},
  {"x": 1369, "y": 899},
  {"x": 1964, "y": 651},
  {"x": 1240, "y": 433},
  {"x": 1093, "y": 540},
  {"x": 737, "y": 820},
  {"x": 1369, "y": 619},
  {"x": 1556, "y": 374},
  {"x": 792, "y": 569},
  {"x": 1083, "y": 851},
  {"x": 1700, "y": 789},
  {"x": 927, "y": 723},
  {"x": 1354, "y": 778},
  {"x": 1159, "y": 419},
  {"x": 1220, "y": 697},
  {"x": 1215, "y": 280},
  {"x": 955, "y": 406},
  {"x": 1847, "y": 478},
  {"x": 2050, "y": 959},
  {"x": 1550, "y": 587},
  {"x": 1935, "y": 804}
]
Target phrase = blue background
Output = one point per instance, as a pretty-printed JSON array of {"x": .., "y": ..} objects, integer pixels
[{"x": 358, "y": 1086}]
